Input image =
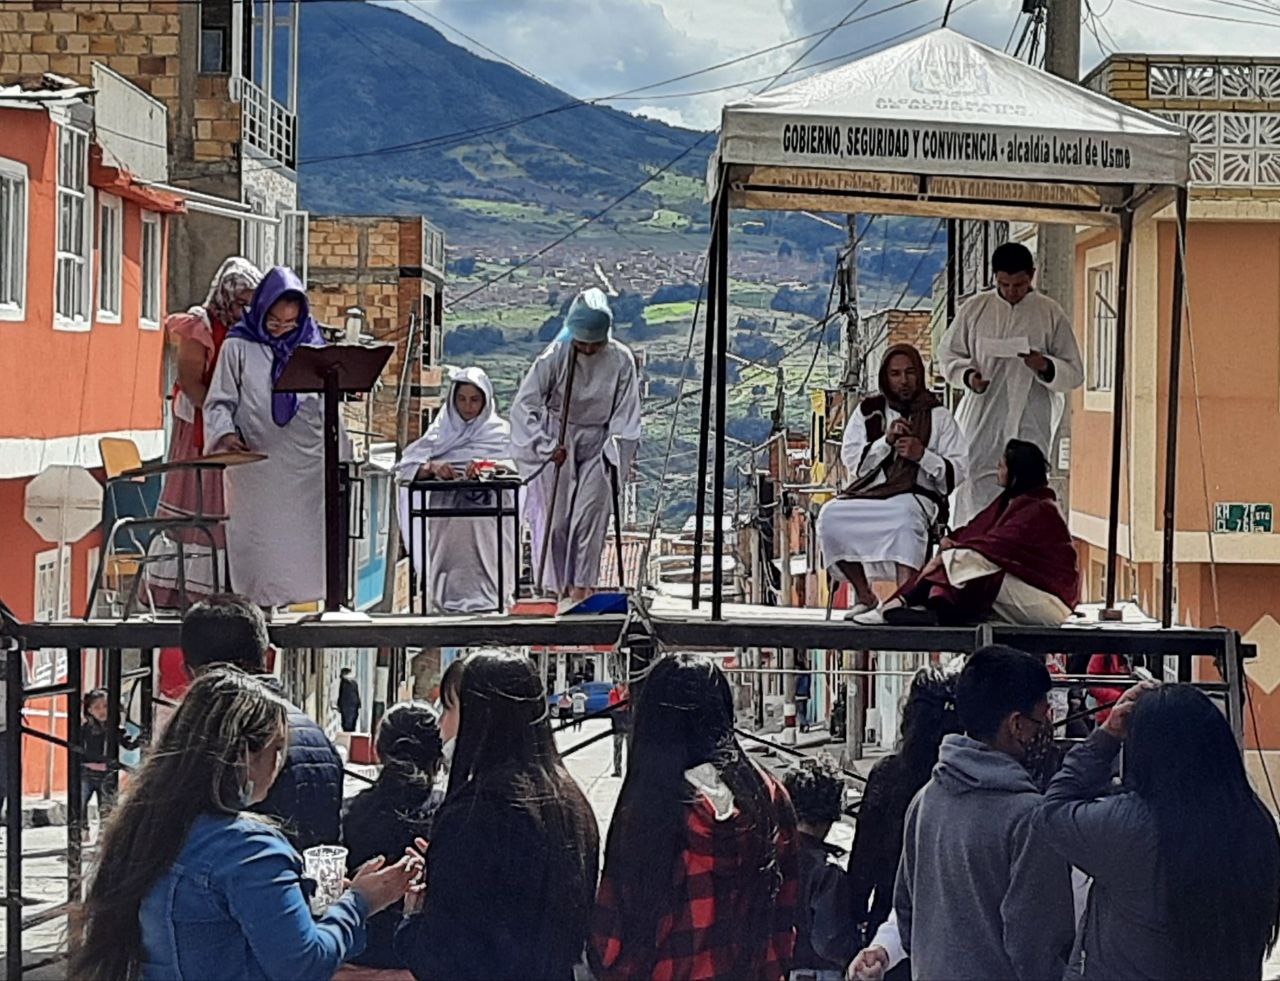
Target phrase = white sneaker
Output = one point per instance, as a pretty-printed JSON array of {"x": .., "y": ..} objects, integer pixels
[
  {"x": 858, "y": 609},
  {"x": 871, "y": 618}
]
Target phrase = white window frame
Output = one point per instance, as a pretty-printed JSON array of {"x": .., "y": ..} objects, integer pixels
[
  {"x": 50, "y": 665},
  {"x": 253, "y": 233},
  {"x": 293, "y": 240},
  {"x": 81, "y": 263},
  {"x": 1099, "y": 329},
  {"x": 152, "y": 282},
  {"x": 110, "y": 247},
  {"x": 14, "y": 174}
]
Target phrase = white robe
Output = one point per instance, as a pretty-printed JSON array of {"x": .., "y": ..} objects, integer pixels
[
  {"x": 882, "y": 534},
  {"x": 275, "y": 526},
  {"x": 1019, "y": 404},
  {"x": 460, "y": 565},
  {"x": 604, "y": 424}
]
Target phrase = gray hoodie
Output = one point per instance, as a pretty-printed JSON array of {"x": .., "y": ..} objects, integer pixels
[{"x": 978, "y": 896}]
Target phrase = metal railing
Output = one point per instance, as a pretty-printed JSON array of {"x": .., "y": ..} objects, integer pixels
[
  {"x": 266, "y": 125},
  {"x": 637, "y": 631}
]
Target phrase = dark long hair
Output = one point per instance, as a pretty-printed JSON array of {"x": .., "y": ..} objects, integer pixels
[
  {"x": 1219, "y": 848},
  {"x": 198, "y": 767},
  {"x": 1028, "y": 468},
  {"x": 928, "y": 714},
  {"x": 683, "y": 718},
  {"x": 505, "y": 749}
]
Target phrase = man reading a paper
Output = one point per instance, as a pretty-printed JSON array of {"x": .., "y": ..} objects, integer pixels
[{"x": 1013, "y": 352}]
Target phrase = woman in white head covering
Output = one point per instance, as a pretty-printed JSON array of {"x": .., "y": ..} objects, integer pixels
[
  {"x": 196, "y": 336},
  {"x": 603, "y": 432},
  {"x": 462, "y": 553}
]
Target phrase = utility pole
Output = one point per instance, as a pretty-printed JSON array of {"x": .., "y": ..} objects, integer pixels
[
  {"x": 1056, "y": 244},
  {"x": 848, "y": 283}
]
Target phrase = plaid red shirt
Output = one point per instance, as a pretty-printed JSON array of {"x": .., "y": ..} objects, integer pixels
[{"x": 708, "y": 933}]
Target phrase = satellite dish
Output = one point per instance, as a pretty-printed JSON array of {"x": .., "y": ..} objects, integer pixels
[{"x": 63, "y": 503}]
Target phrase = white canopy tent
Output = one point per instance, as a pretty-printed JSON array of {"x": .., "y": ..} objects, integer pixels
[{"x": 943, "y": 126}]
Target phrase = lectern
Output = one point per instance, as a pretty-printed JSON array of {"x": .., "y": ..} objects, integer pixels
[{"x": 333, "y": 370}]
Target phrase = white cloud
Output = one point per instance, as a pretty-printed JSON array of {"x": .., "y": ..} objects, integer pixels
[{"x": 591, "y": 48}]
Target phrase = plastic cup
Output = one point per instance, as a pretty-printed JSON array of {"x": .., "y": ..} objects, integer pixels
[{"x": 325, "y": 865}]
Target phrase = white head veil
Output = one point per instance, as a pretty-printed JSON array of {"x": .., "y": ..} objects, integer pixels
[{"x": 452, "y": 439}]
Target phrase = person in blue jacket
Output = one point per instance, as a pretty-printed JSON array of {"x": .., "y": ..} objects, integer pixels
[{"x": 190, "y": 886}]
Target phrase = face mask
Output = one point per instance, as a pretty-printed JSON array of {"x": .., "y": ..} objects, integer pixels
[
  {"x": 246, "y": 793},
  {"x": 1037, "y": 755},
  {"x": 447, "y": 750}
]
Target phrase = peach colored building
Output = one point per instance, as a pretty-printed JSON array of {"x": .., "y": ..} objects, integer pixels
[
  {"x": 1227, "y": 547},
  {"x": 82, "y": 298}
]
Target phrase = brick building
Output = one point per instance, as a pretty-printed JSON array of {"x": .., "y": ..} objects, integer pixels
[
  {"x": 226, "y": 72},
  {"x": 393, "y": 270}
]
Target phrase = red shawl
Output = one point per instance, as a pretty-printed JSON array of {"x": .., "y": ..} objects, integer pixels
[{"x": 1027, "y": 538}]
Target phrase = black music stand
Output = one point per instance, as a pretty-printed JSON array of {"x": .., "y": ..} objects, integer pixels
[{"x": 333, "y": 370}]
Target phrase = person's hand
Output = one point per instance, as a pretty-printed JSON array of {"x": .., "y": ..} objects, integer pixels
[
  {"x": 473, "y": 470},
  {"x": 946, "y": 543},
  {"x": 1036, "y": 361},
  {"x": 909, "y": 448},
  {"x": 869, "y": 965},
  {"x": 559, "y": 456},
  {"x": 444, "y": 471},
  {"x": 1117, "y": 723},
  {"x": 897, "y": 430},
  {"x": 380, "y": 885},
  {"x": 417, "y": 892},
  {"x": 976, "y": 382},
  {"x": 230, "y": 443}
]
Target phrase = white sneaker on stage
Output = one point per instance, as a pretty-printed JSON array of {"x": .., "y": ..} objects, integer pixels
[
  {"x": 858, "y": 609},
  {"x": 869, "y": 618}
]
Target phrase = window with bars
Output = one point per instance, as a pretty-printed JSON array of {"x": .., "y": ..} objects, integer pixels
[
  {"x": 71, "y": 300},
  {"x": 109, "y": 252},
  {"x": 1102, "y": 327},
  {"x": 13, "y": 239},
  {"x": 152, "y": 251}
]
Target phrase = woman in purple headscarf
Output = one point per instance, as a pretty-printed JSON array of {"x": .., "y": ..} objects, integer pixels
[{"x": 275, "y": 532}]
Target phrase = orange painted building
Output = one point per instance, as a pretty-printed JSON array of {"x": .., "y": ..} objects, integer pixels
[
  {"x": 82, "y": 297},
  {"x": 1227, "y": 545}
]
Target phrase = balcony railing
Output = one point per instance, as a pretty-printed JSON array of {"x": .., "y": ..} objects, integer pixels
[{"x": 266, "y": 125}]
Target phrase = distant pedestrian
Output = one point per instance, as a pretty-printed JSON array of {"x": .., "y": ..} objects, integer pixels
[
  {"x": 979, "y": 896},
  {"x": 99, "y": 768},
  {"x": 385, "y": 819},
  {"x": 700, "y": 873},
  {"x": 348, "y": 701},
  {"x": 1185, "y": 860},
  {"x": 619, "y": 722},
  {"x": 579, "y": 702},
  {"x": 511, "y": 867},
  {"x": 307, "y": 796},
  {"x": 189, "y": 886},
  {"x": 804, "y": 685},
  {"x": 817, "y": 794}
]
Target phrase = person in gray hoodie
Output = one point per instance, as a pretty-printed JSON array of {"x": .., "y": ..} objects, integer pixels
[{"x": 978, "y": 894}]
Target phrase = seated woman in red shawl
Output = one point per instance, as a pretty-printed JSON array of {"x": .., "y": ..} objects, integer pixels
[{"x": 1013, "y": 562}]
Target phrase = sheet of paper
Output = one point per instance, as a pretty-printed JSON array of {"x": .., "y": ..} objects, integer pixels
[{"x": 1005, "y": 347}]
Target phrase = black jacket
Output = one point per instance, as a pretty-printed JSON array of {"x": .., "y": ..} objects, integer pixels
[
  {"x": 307, "y": 796},
  {"x": 499, "y": 903},
  {"x": 820, "y": 877},
  {"x": 384, "y": 820},
  {"x": 93, "y": 743}
]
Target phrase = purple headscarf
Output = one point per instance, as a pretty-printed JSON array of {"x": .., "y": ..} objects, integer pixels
[{"x": 277, "y": 283}]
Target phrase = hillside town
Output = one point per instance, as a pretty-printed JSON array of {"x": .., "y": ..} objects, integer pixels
[{"x": 834, "y": 540}]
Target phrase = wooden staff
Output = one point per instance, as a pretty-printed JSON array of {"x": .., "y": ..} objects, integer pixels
[
  {"x": 617, "y": 521},
  {"x": 555, "y": 481}
]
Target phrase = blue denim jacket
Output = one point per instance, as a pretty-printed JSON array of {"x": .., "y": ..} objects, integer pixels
[{"x": 231, "y": 907}]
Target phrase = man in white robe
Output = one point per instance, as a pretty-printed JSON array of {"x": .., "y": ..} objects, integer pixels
[
  {"x": 1015, "y": 355},
  {"x": 905, "y": 454},
  {"x": 460, "y": 567},
  {"x": 602, "y": 433}
]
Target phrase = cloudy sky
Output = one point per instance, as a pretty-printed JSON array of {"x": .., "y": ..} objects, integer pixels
[{"x": 593, "y": 48}]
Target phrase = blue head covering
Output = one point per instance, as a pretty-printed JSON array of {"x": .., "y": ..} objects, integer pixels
[
  {"x": 252, "y": 326},
  {"x": 589, "y": 318}
]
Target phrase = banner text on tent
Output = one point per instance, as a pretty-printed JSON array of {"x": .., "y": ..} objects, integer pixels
[{"x": 920, "y": 143}]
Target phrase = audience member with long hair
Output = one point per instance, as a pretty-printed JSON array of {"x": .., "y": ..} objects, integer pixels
[
  {"x": 187, "y": 885},
  {"x": 387, "y": 818},
  {"x": 857, "y": 910},
  {"x": 1185, "y": 860},
  {"x": 701, "y": 867},
  {"x": 512, "y": 863}
]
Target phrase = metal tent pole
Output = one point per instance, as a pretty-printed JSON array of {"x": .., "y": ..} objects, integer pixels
[
  {"x": 721, "y": 284},
  {"x": 1118, "y": 407},
  {"x": 14, "y": 697},
  {"x": 1171, "y": 428},
  {"x": 704, "y": 429}
]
